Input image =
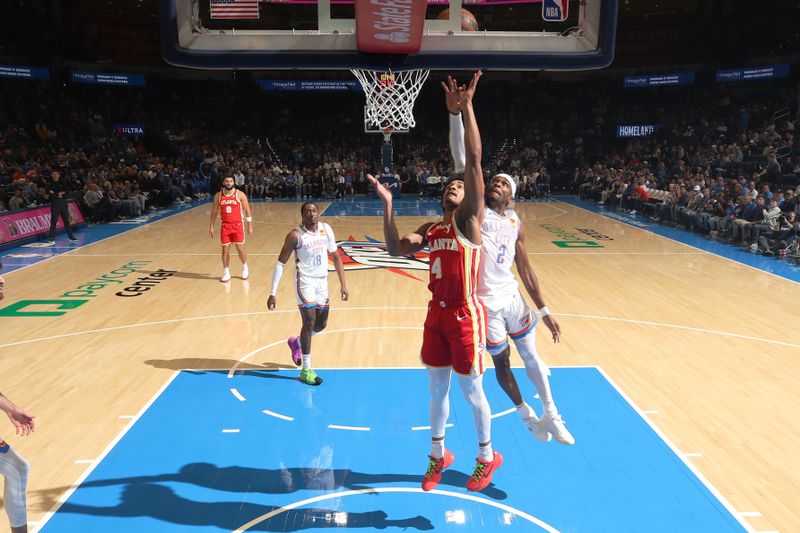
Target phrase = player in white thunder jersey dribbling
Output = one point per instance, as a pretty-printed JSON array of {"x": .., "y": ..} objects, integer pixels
[
  {"x": 508, "y": 314},
  {"x": 311, "y": 242}
]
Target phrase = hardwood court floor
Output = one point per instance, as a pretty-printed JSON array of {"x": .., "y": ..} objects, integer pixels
[{"x": 709, "y": 345}]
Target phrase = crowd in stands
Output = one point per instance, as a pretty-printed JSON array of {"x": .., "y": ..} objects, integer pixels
[
  {"x": 719, "y": 150},
  {"x": 724, "y": 168}
]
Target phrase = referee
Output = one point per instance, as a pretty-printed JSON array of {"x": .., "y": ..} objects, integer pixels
[{"x": 58, "y": 206}]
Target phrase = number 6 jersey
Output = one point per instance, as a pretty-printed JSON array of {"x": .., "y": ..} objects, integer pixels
[
  {"x": 312, "y": 250},
  {"x": 500, "y": 232}
]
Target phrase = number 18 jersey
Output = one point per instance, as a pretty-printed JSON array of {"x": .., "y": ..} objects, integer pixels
[
  {"x": 499, "y": 232},
  {"x": 312, "y": 250}
]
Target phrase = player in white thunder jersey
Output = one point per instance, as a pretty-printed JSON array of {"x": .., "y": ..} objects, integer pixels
[
  {"x": 14, "y": 469},
  {"x": 311, "y": 243},
  {"x": 508, "y": 314}
]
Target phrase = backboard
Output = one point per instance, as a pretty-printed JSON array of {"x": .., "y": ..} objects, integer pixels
[{"x": 321, "y": 34}]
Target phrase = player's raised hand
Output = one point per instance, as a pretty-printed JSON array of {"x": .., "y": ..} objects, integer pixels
[
  {"x": 271, "y": 303},
  {"x": 383, "y": 192},
  {"x": 553, "y": 326},
  {"x": 452, "y": 96},
  {"x": 469, "y": 91}
]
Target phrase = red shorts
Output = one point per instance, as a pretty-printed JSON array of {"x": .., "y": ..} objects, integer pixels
[
  {"x": 455, "y": 335},
  {"x": 232, "y": 232}
]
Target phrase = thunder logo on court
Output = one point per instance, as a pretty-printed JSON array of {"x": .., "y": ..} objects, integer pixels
[{"x": 372, "y": 253}]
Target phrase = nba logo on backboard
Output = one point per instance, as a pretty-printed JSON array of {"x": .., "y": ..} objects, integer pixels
[{"x": 555, "y": 10}]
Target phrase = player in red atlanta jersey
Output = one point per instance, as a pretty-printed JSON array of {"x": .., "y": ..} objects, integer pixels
[
  {"x": 454, "y": 335},
  {"x": 234, "y": 208}
]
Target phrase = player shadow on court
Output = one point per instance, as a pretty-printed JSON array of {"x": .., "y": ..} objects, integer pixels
[
  {"x": 187, "y": 275},
  {"x": 279, "y": 481},
  {"x": 220, "y": 365},
  {"x": 161, "y": 503}
]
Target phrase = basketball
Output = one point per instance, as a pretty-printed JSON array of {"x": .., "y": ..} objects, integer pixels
[{"x": 468, "y": 20}]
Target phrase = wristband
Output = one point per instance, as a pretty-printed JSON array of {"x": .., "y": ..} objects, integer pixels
[
  {"x": 248, "y": 219},
  {"x": 544, "y": 311}
]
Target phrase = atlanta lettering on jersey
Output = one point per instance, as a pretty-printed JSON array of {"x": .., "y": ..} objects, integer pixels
[{"x": 444, "y": 244}]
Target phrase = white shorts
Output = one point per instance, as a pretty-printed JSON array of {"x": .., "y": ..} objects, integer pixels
[
  {"x": 514, "y": 319},
  {"x": 311, "y": 292}
]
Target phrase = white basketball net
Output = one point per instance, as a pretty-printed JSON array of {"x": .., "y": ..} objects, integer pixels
[{"x": 391, "y": 96}]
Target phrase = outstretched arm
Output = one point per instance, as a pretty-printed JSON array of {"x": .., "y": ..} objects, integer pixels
[
  {"x": 396, "y": 245},
  {"x": 470, "y": 213},
  {"x": 531, "y": 283},
  {"x": 289, "y": 244}
]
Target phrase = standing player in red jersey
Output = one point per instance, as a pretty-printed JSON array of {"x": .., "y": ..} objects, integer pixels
[
  {"x": 231, "y": 202},
  {"x": 455, "y": 329}
]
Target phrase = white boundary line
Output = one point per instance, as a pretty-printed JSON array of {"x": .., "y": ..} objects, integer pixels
[
  {"x": 230, "y": 431},
  {"x": 277, "y": 415},
  {"x": 81, "y": 247},
  {"x": 238, "y": 395},
  {"x": 64, "y": 497},
  {"x": 422, "y": 428},
  {"x": 246, "y": 356},
  {"x": 684, "y": 244},
  {"x": 678, "y": 454},
  {"x": 504, "y": 413},
  {"x": 544, "y": 525},
  {"x": 347, "y": 309},
  {"x": 350, "y": 428}
]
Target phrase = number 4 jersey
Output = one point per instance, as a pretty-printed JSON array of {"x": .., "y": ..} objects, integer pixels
[
  {"x": 312, "y": 250},
  {"x": 454, "y": 264},
  {"x": 497, "y": 282}
]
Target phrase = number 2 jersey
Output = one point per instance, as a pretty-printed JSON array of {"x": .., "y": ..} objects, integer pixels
[
  {"x": 497, "y": 282},
  {"x": 312, "y": 250}
]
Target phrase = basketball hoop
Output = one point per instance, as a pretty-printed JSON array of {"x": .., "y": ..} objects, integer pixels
[{"x": 390, "y": 97}]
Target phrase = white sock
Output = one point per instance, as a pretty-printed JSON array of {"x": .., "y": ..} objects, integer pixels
[
  {"x": 524, "y": 410},
  {"x": 549, "y": 409},
  {"x": 485, "y": 452},
  {"x": 226, "y": 270},
  {"x": 306, "y": 361},
  {"x": 437, "y": 447}
]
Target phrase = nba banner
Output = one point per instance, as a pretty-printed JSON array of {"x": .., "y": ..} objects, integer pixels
[
  {"x": 16, "y": 225},
  {"x": 234, "y": 9},
  {"x": 390, "y": 26},
  {"x": 750, "y": 74},
  {"x": 104, "y": 78},
  {"x": 310, "y": 85},
  {"x": 555, "y": 10},
  {"x": 24, "y": 73},
  {"x": 681, "y": 78},
  {"x": 636, "y": 130}
]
